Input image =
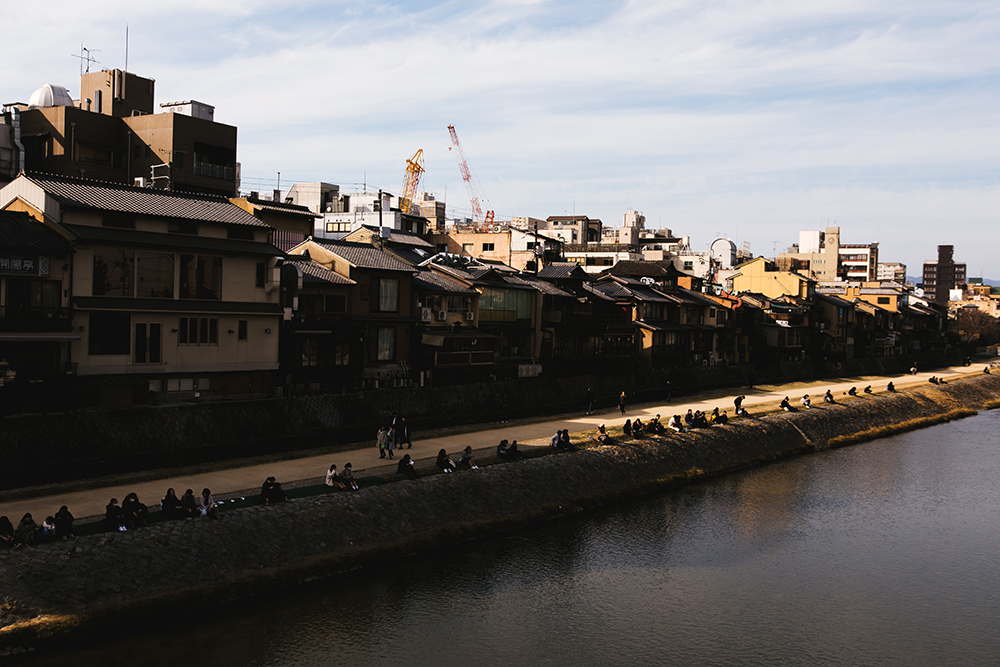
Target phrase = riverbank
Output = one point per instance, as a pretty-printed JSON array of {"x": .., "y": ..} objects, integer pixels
[{"x": 65, "y": 591}]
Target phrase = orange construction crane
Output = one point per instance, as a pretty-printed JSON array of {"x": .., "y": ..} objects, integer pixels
[
  {"x": 463, "y": 166},
  {"x": 411, "y": 180}
]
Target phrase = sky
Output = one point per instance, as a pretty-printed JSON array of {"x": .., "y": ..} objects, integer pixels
[{"x": 750, "y": 120}]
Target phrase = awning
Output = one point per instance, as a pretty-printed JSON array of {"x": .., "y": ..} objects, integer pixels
[{"x": 46, "y": 336}]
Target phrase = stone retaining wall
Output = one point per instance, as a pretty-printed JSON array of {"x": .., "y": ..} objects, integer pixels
[
  {"x": 60, "y": 446},
  {"x": 58, "y": 589}
]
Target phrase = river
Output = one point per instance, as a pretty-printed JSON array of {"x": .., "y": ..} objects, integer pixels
[{"x": 883, "y": 553}]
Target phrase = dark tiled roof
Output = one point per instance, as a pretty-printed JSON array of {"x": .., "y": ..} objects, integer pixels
[
  {"x": 608, "y": 289},
  {"x": 561, "y": 270},
  {"x": 365, "y": 256},
  {"x": 632, "y": 268},
  {"x": 544, "y": 286},
  {"x": 83, "y": 193},
  {"x": 432, "y": 281},
  {"x": 19, "y": 231},
  {"x": 314, "y": 273},
  {"x": 280, "y": 207}
]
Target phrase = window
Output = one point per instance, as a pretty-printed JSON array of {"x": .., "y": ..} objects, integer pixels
[
  {"x": 498, "y": 305},
  {"x": 119, "y": 220},
  {"x": 384, "y": 344},
  {"x": 154, "y": 273},
  {"x": 468, "y": 247},
  {"x": 148, "y": 343},
  {"x": 488, "y": 247},
  {"x": 688, "y": 265},
  {"x": 93, "y": 155},
  {"x": 334, "y": 227},
  {"x": 883, "y": 300},
  {"x": 242, "y": 330},
  {"x": 113, "y": 272},
  {"x": 388, "y": 295},
  {"x": 342, "y": 355},
  {"x": 183, "y": 227},
  {"x": 335, "y": 303},
  {"x": 109, "y": 333},
  {"x": 198, "y": 331},
  {"x": 310, "y": 352},
  {"x": 201, "y": 277}
]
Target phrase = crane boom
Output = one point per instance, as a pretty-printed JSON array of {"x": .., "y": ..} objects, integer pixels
[
  {"x": 411, "y": 180},
  {"x": 463, "y": 167}
]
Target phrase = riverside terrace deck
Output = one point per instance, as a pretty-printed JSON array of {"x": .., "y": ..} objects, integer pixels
[{"x": 238, "y": 482}]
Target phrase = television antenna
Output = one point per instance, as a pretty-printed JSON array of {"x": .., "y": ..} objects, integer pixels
[{"x": 85, "y": 57}]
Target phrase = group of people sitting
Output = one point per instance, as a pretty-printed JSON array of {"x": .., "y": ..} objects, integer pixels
[
  {"x": 508, "y": 451},
  {"x": 28, "y": 532},
  {"x": 344, "y": 480},
  {"x": 560, "y": 440},
  {"x": 937, "y": 380},
  {"x": 188, "y": 506},
  {"x": 130, "y": 514}
]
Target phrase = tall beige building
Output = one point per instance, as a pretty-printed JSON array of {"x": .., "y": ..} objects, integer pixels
[{"x": 822, "y": 257}]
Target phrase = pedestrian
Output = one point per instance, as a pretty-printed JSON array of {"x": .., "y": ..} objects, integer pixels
[
  {"x": 403, "y": 436},
  {"x": 738, "y": 402},
  {"x": 621, "y": 402},
  {"x": 590, "y": 401},
  {"x": 390, "y": 441},
  {"x": 380, "y": 441}
]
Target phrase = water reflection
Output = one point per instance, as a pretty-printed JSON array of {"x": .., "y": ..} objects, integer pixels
[{"x": 884, "y": 553}]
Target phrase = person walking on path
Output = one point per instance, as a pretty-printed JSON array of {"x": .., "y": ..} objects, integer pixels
[
  {"x": 380, "y": 440},
  {"x": 590, "y": 401},
  {"x": 621, "y": 402}
]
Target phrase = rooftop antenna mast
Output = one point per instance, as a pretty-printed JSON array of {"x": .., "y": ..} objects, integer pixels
[{"x": 85, "y": 57}]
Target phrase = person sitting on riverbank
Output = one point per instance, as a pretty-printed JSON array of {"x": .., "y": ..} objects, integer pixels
[
  {"x": 564, "y": 443},
  {"x": 932, "y": 380},
  {"x": 443, "y": 462},
  {"x": 806, "y": 401},
  {"x": 689, "y": 418},
  {"x": 700, "y": 419},
  {"x": 891, "y": 388},
  {"x": 271, "y": 492},
  {"x": 655, "y": 426},
  {"x": 333, "y": 480},
  {"x": 172, "y": 508},
  {"x": 853, "y": 391},
  {"x": 627, "y": 428},
  {"x": 602, "y": 436},
  {"x": 114, "y": 517},
  {"x": 738, "y": 402},
  {"x": 27, "y": 530},
  {"x": 47, "y": 531},
  {"x": 638, "y": 428},
  {"x": 786, "y": 405},
  {"x": 675, "y": 424},
  {"x": 502, "y": 449},
  {"x": 6, "y": 531},
  {"x": 513, "y": 453},
  {"x": 722, "y": 419},
  {"x": 348, "y": 478},
  {"x": 64, "y": 523},
  {"x": 136, "y": 514},
  {"x": 554, "y": 440},
  {"x": 986, "y": 370},
  {"x": 868, "y": 389},
  {"x": 465, "y": 460},
  {"x": 828, "y": 397},
  {"x": 405, "y": 467},
  {"x": 207, "y": 505},
  {"x": 190, "y": 503},
  {"x": 714, "y": 417}
]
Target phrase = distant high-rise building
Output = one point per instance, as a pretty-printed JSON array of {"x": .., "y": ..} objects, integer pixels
[{"x": 943, "y": 274}]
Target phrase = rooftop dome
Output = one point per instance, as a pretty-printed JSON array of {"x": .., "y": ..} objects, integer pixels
[{"x": 50, "y": 96}]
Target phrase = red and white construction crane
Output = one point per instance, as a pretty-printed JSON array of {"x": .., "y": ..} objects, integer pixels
[{"x": 463, "y": 166}]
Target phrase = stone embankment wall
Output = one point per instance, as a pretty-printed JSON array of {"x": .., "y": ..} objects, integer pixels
[
  {"x": 59, "y": 446},
  {"x": 57, "y": 590}
]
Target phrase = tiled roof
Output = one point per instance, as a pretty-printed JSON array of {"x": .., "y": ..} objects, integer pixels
[
  {"x": 19, "y": 231},
  {"x": 83, "y": 193},
  {"x": 432, "y": 281},
  {"x": 365, "y": 256},
  {"x": 633, "y": 268},
  {"x": 281, "y": 207},
  {"x": 315, "y": 273},
  {"x": 608, "y": 289},
  {"x": 544, "y": 286},
  {"x": 561, "y": 270}
]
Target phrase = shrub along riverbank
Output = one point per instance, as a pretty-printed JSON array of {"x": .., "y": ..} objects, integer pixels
[{"x": 68, "y": 590}]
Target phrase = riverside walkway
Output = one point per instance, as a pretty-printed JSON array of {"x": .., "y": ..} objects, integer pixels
[{"x": 87, "y": 499}]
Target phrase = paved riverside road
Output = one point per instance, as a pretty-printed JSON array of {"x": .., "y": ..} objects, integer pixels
[{"x": 91, "y": 501}]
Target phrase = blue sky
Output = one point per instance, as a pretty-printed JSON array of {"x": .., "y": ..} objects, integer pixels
[{"x": 751, "y": 120}]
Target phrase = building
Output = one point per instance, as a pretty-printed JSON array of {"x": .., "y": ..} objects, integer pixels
[
  {"x": 942, "y": 275},
  {"x": 891, "y": 272},
  {"x": 517, "y": 248},
  {"x": 170, "y": 295},
  {"x": 821, "y": 256},
  {"x": 112, "y": 134}
]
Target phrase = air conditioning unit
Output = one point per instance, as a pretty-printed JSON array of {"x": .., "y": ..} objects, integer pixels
[
  {"x": 470, "y": 316},
  {"x": 442, "y": 315},
  {"x": 140, "y": 182},
  {"x": 425, "y": 315}
]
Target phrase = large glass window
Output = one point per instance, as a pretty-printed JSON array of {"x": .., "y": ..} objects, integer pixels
[
  {"x": 114, "y": 270},
  {"x": 148, "y": 343},
  {"x": 198, "y": 331},
  {"x": 388, "y": 295},
  {"x": 154, "y": 274},
  {"x": 201, "y": 277},
  {"x": 500, "y": 305}
]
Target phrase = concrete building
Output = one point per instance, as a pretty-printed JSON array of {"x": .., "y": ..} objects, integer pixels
[
  {"x": 891, "y": 271},
  {"x": 517, "y": 248},
  {"x": 112, "y": 134},
  {"x": 821, "y": 256},
  {"x": 942, "y": 275}
]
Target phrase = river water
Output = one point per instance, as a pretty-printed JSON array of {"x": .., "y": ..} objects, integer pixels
[{"x": 884, "y": 553}]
